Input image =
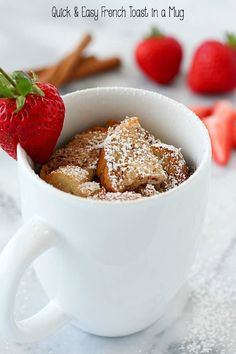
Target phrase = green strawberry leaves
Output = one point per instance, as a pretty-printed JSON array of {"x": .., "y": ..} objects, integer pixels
[
  {"x": 18, "y": 85},
  {"x": 37, "y": 91},
  {"x": 5, "y": 88},
  {"x": 6, "y": 92},
  {"x": 231, "y": 40},
  {"x": 20, "y": 101},
  {"x": 155, "y": 32},
  {"x": 23, "y": 82}
]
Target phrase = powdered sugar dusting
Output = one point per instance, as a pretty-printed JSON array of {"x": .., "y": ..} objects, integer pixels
[
  {"x": 158, "y": 143},
  {"x": 76, "y": 172},
  {"x": 89, "y": 187},
  {"x": 129, "y": 158},
  {"x": 173, "y": 164},
  {"x": 123, "y": 158},
  {"x": 83, "y": 150},
  {"x": 125, "y": 196},
  {"x": 148, "y": 190},
  {"x": 88, "y": 145},
  {"x": 96, "y": 141}
]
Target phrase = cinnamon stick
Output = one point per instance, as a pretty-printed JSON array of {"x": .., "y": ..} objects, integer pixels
[
  {"x": 59, "y": 73},
  {"x": 42, "y": 70},
  {"x": 76, "y": 66},
  {"x": 95, "y": 66},
  {"x": 88, "y": 67}
]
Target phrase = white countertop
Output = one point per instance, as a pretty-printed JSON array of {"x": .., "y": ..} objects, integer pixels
[{"x": 206, "y": 321}]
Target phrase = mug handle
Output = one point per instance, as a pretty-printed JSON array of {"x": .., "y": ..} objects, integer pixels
[{"x": 31, "y": 240}]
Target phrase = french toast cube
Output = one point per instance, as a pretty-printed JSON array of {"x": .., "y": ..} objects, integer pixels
[
  {"x": 89, "y": 189},
  {"x": 173, "y": 163},
  {"x": 147, "y": 190},
  {"x": 126, "y": 160},
  {"x": 69, "y": 178},
  {"x": 82, "y": 150}
]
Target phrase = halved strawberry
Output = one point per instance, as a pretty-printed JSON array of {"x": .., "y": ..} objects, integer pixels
[
  {"x": 221, "y": 133},
  {"x": 225, "y": 110},
  {"x": 234, "y": 135}
]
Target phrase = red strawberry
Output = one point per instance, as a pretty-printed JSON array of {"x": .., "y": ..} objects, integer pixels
[
  {"x": 231, "y": 41},
  {"x": 213, "y": 68},
  {"x": 225, "y": 110},
  {"x": 234, "y": 135},
  {"x": 221, "y": 133},
  {"x": 159, "y": 57},
  {"x": 201, "y": 111},
  {"x": 31, "y": 114}
]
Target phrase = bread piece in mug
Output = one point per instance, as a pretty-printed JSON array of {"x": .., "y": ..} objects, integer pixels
[
  {"x": 82, "y": 150},
  {"x": 112, "y": 123},
  {"x": 89, "y": 189},
  {"x": 173, "y": 163},
  {"x": 69, "y": 178},
  {"x": 126, "y": 160}
]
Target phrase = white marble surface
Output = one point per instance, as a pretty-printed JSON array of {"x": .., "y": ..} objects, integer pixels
[
  {"x": 211, "y": 289},
  {"x": 206, "y": 321}
]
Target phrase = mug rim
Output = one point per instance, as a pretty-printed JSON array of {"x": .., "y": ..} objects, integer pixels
[{"x": 24, "y": 161}]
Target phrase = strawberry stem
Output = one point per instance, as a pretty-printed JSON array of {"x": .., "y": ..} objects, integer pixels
[
  {"x": 155, "y": 32},
  {"x": 8, "y": 78},
  {"x": 231, "y": 40}
]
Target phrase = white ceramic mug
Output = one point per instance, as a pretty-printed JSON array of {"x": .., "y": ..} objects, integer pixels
[{"x": 110, "y": 267}]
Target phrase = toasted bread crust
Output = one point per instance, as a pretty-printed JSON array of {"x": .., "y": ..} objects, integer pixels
[
  {"x": 102, "y": 172},
  {"x": 112, "y": 123}
]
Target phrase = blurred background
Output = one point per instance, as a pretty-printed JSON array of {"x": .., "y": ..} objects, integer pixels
[{"x": 30, "y": 37}]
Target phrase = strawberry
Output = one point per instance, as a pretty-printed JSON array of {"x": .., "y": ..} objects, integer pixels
[
  {"x": 221, "y": 125},
  {"x": 231, "y": 41},
  {"x": 201, "y": 111},
  {"x": 31, "y": 114},
  {"x": 221, "y": 133},
  {"x": 225, "y": 110},
  {"x": 234, "y": 135},
  {"x": 159, "y": 57},
  {"x": 213, "y": 68}
]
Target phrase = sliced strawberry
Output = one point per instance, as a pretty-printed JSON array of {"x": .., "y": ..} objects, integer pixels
[
  {"x": 201, "y": 111},
  {"x": 224, "y": 109},
  {"x": 234, "y": 135},
  {"x": 221, "y": 133}
]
